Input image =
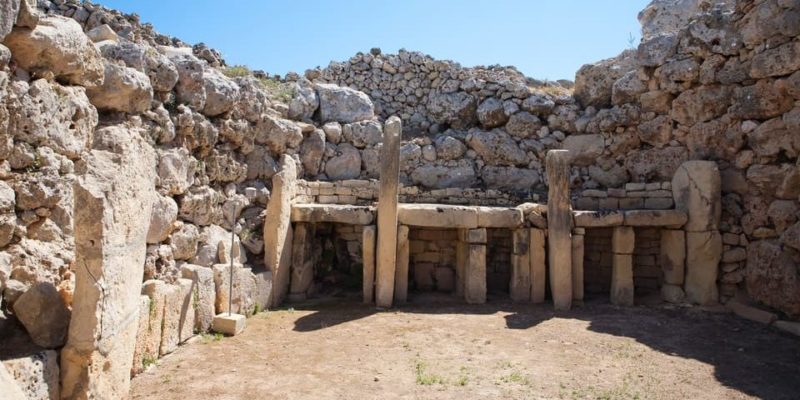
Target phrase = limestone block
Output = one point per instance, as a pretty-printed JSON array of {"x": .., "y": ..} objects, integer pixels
[
  {"x": 401, "y": 273},
  {"x": 113, "y": 201},
  {"x": 386, "y": 261},
  {"x": 302, "y": 261},
  {"x": 622, "y": 280},
  {"x": 475, "y": 275},
  {"x": 204, "y": 294},
  {"x": 577, "y": 267},
  {"x": 336, "y": 213},
  {"x": 263, "y": 287},
  {"x": 368, "y": 248},
  {"x": 788, "y": 326},
  {"x": 149, "y": 343},
  {"x": 623, "y": 240},
  {"x": 170, "y": 327},
  {"x": 44, "y": 315},
  {"x": 559, "y": 228},
  {"x": 499, "y": 217},
  {"x": 141, "y": 336},
  {"x": 475, "y": 236},
  {"x": 445, "y": 279},
  {"x": 597, "y": 219},
  {"x": 462, "y": 259},
  {"x": 36, "y": 374},
  {"x": 673, "y": 256},
  {"x": 696, "y": 188},
  {"x": 278, "y": 229},
  {"x": 229, "y": 324},
  {"x": 438, "y": 216},
  {"x": 538, "y": 267},
  {"x": 670, "y": 218},
  {"x": 749, "y": 312},
  {"x": 244, "y": 287},
  {"x": 520, "y": 286},
  {"x": 703, "y": 253},
  {"x": 9, "y": 387}
]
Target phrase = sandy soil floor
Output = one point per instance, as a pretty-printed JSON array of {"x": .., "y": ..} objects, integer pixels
[{"x": 442, "y": 350}]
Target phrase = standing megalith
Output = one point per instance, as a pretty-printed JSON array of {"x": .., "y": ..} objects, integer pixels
[
  {"x": 387, "y": 213},
  {"x": 559, "y": 228}
]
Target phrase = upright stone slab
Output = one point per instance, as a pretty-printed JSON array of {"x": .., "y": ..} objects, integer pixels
[
  {"x": 387, "y": 213},
  {"x": 696, "y": 190},
  {"x": 170, "y": 327},
  {"x": 401, "y": 273},
  {"x": 673, "y": 255},
  {"x": 278, "y": 229},
  {"x": 520, "y": 286},
  {"x": 302, "y": 263},
  {"x": 475, "y": 276},
  {"x": 150, "y": 343},
  {"x": 462, "y": 256},
  {"x": 141, "y": 336},
  {"x": 577, "y": 267},
  {"x": 538, "y": 267},
  {"x": 368, "y": 236},
  {"x": 622, "y": 245},
  {"x": 204, "y": 294},
  {"x": 263, "y": 297},
  {"x": 113, "y": 200},
  {"x": 559, "y": 228}
]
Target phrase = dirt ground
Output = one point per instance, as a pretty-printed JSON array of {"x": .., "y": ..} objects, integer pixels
[{"x": 443, "y": 350}]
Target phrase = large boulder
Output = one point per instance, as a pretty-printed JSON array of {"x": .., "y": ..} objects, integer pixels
[
  {"x": 58, "y": 45},
  {"x": 124, "y": 89},
  {"x": 509, "y": 178},
  {"x": 221, "y": 93},
  {"x": 670, "y": 16},
  {"x": 594, "y": 82},
  {"x": 363, "y": 134},
  {"x": 201, "y": 205},
  {"x": 343, "y": 104},
  {"x": 584, "y": 149},
  {"x": 655, "y": 164},
  {"x": 176, "y": 171},
  {"x": 162, "y": 72},
  {"x": 496, "y": 147},
  {"x": 772, "y": 276},
  {"x": 8, "y": 16},
  {"x": 491, "y": 113},
  {"x": 48, "y": 114},
  {"x": 459, "y": 109},
  {"x": 191, "y": 87},
  {"x": 278, "y": 133},
  {"x": 701, "y": 104},
  {"x": 162, "y": 219},
  {"x": 346, "y": 164},
  {"x": 37, "y": 374},
  {"x": 304, "y": 102},
  {"x": 44, "y": 315},
  {"x": 523, "y": 125},
  {"x": 696, "y": 189},
  {"x": 444, "y": 177},
  {"x": 311, "y": 151}
]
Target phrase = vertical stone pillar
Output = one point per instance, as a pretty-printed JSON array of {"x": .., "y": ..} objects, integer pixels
[
  {"x": 577, "y": 264},
  {"x": 302, "y": 274},
  {"x": 462, "y": 259},
  {"x": 559, "y": 227},
  {"x": 622, "y": 245},
  {"x": 696, "y": 190},
  {"x": 401, "y": 273},
  {"x": 475, "y": 276},
  {"x": 672, "y": 259},
  {"x": 368, "y": 251},
  {"x": 387, "y": 212},
  {"x": 520, "y": 285},
  {"x": 113, "y": 199},
  {"x": 278, "y": 229},
  {"x": 538, "y": 267}
]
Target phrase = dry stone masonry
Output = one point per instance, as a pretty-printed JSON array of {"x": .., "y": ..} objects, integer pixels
[{"x": 129, "y": 158}]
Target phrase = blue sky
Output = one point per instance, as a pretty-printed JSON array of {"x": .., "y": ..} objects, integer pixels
[{"x": 545, "y": 39}]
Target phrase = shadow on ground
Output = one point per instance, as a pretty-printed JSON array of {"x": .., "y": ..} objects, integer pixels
[{"x": 752, "y": 358}]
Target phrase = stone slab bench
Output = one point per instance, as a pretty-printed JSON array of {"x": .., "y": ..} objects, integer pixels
[
  {"x": 458, "y": 217},
  {"x": 636, "y": 218},
  {"x": 335, "y": 213}
]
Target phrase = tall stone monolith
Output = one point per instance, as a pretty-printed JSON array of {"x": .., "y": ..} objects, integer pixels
[
  {"x": 278, "y": 229},
  {"x": 387, "y": 212},
  {"x": 559, "y": 228}
]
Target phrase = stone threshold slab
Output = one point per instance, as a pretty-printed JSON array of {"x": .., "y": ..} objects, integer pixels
[
  {"x": 459, "y": 217},
  {"x": 612, "y": 218}
]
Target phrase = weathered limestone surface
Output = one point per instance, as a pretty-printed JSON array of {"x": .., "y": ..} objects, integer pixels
[
  {"x": 673, "y": 256},
  {"x": 336, "y": 213},
  {"x": 302, "y": 261},
  {"x": 44, "y": 315},
  {"x": 520, "y": 286},
  {"x": 113, "y": 200},
  {"x": 559, "y": 228},
  {"x": 596, "y": 219},
  {"x": 703, "y": 253},
  {"x": 387, "y": 213},
  {"x": 475, "y": 275},
  {"x": 538, "y": 266},
  {"x": 696, "y": 188},
  {"x": 229, "y": 324},
  {"x": 438, "y": 216},
  {"x": 499, "y": 217},
  {"x": 401, "y": 273},
  {"x": 622, "y": 245},
  {"x": 244, "y": 287},
  {"x": 9, "y": 386},
  {"x": 204, "y": 294},
  {"x": 670, "y": 218},
  {"x": 368, "y": 248},
  {"x": 462, "y": 256},
  {"x": 577, "y": 267},
  {"x": 170, "y": 325},
  {"x": 141, "y": 335},
  {"x": 148, "y": 337},
  {"x": 278, "y": 229},
  {"x": 37, "y": 375}
]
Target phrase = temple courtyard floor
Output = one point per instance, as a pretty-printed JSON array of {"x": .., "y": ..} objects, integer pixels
[{"x": 434, "y": 348}]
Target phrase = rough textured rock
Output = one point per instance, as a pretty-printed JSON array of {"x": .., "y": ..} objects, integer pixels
[
  {"x": 459, "y": 109},
  {"x": 115, "y": 196},
  {"x": 162, "y": 219},
  {"x": 594, "y": 82},
  {"x": 343, "y": 104},
  {"x": 696, "y": 189},
  {"x": 443, "y": 177},
  {"x": 9, "y": 385},
  {"x": 221, "y": 93},
  {"x": 8, "y": 16},
  {"x": 583, "y": 149},
  {"x": 44, "y": 315},
  {"x": 491, "y": 113},
  {"x": 36, "y": 374},
  {"x": 772, "y": 276},
  {"x": 57, "y": 45},
  {"x": 496, "y": 148},
  {"x": 124, "y": 89},
  {"x": 346, "y": 164}
]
